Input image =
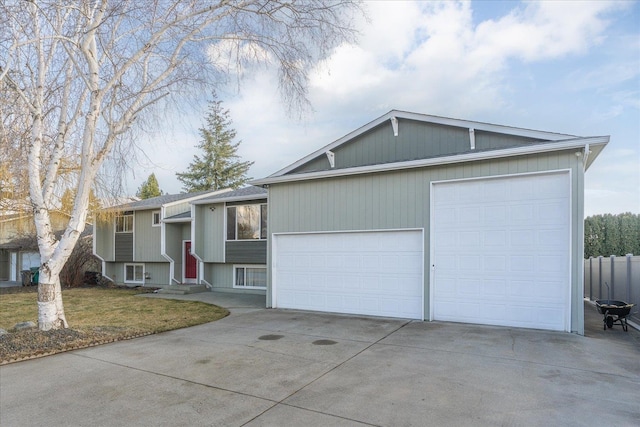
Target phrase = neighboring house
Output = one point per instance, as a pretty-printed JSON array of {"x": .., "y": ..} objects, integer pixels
[
  {"x": 15, "y": 254},
  {"x": 230, "y": 240},
  {"x": 425, "y": 217},
  {"x": 183, "y": 239}
]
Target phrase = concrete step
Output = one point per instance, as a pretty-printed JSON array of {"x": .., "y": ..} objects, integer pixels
[{"x": 182, "y": 289}]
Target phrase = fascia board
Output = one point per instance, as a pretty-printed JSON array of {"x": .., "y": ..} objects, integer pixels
[
  {"x": 487, "y": 127},
  {"x": 229, "y": 199},
  {"x": 176, "y": 220},
  {"x": 436, "y": 161},
  {"x": 191, "y": 199}
]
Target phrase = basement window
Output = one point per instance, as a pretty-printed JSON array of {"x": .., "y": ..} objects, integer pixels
[
  {"x": 134, "y": 273},
  {"x": 250, "y": 276}
]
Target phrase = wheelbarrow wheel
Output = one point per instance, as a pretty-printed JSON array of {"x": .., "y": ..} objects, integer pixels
[{"x": 609, "y": 322}]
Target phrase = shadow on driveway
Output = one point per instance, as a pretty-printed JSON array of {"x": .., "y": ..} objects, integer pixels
[{"x": 263, "y": 367}]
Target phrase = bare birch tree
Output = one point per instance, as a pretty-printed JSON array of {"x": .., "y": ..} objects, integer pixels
[{"x": 88, "y": 72}]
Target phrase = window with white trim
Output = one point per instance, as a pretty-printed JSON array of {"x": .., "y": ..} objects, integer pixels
[
  {"x": 250, "y": 276},
  {"x": 134, "y": 273},
  {"x": 124, "y": 222},
  {"x": 155, "y": 218},
  {"x": 247, "y": 222}
]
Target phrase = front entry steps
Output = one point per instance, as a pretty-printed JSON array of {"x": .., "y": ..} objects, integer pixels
[{"x": 182, "y": 289}]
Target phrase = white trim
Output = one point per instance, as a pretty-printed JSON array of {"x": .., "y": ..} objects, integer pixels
[
  {"x": 134, "y": 265},
  {"x": 567, "y": 171},
  {"x": 226, "y": 207},
  {"x": 472, "y": 138},
  {"x": 184, "y": 263},
  {"x": 488, "y": 127},
  {"x": 245, "y": 266},
  {"x": 163, "y": 251},
  {"x": 153, "y": 217},
  {"x": 231, "y": 199},
  {"x": 274, "y": 256},
  {"x": 437, "y": 161}
]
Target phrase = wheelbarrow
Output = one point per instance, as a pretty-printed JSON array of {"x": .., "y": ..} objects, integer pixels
[{"x": 614, "y": 312}]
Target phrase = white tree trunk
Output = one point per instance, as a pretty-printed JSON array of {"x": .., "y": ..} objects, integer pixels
[{"x": 50, "y": 308}]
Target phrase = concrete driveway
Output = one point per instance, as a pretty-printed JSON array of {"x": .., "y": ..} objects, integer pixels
[{"x": 262, "y": 367}]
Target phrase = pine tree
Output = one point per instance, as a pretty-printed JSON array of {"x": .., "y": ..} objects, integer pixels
[
  {"x": 149, "y": 188},
  {"x": 219, "y": 166}
]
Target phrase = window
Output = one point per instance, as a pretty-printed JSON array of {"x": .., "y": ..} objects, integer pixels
[
  {"x": 134, "y": 273},
  {"x": 124, "y": 222},
  {"x": 249, "y": 276},
  {"x": 156, "y": 218},
  {"x": 247, "y": 222}
]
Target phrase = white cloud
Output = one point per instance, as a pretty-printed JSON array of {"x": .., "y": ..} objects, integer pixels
[{"x": 438, "y": 58}]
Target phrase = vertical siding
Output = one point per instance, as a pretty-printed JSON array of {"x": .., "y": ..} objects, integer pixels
[
  {"x": 415, "y": 140},
  {"x": 220, "y": 276},
  {"x": 104, "y": 240},
  {"x": 176, "y": 209},
  {"x": 173, "y": 247},
  {"x": 147, "y": 238},
  {"x": 401, "y": 199},
  {"x": 158, "y": 272}
]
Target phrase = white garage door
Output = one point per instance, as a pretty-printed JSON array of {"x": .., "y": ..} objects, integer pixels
[
  {"x": 373, "y": 273},
  {"x": 501, "y": 251}
]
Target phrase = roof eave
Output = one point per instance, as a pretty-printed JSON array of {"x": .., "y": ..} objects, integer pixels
[
  {"x": 488, "y": 127},
  {"x": 231, "y": 199},
  {"x": 595, "y": 143}
]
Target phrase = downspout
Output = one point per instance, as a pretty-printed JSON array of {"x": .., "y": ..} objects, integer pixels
[
  {"x": 103, "y": 263},
  {"x": 163, "y": 247}
]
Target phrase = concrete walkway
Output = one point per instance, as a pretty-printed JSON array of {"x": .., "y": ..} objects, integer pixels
[{"x": 261, "y": 367}]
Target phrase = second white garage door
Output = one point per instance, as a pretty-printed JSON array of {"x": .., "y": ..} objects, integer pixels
[
  {"x": 500, "y": 254},
  {"x": 376, "y": 273}
]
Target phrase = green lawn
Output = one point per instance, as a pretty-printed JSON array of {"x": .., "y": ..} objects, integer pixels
[{"x": 96, "y": 315}]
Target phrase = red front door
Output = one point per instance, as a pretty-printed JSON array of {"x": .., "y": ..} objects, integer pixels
[{"x": 190, "y": 264}]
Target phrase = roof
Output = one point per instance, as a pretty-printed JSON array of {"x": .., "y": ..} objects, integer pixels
[
  {"x": 247, "y": 193},
  {"x": 532, "y": 141},
  {"x": 30, "y": 242},
  {"x": 178, "y": 217},
  {"x": 166, "y": 199}
]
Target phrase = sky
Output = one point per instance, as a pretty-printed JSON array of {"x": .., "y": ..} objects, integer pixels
[{"x": 568, "y": 67}]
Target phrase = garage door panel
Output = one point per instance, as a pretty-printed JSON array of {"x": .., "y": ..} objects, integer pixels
[
  {"x": 516, "y": 272},
  {"x": 371, "y": 273}
]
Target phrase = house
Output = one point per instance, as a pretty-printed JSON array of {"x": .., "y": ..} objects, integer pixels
[
  {"x": 205, "y": 238},
  {"x": 148, "y": 242},
  {"x": 230, "y": 240},
  {"x": 17, "y": 251},
  {"x": 424, "y": 217}
]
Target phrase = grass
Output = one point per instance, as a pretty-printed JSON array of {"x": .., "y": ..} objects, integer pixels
[{"x": 95, "y": 315}]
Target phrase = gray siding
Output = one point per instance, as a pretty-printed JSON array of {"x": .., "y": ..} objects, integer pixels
[
  {"x": 158, "y": 272},
  {"x": 147, "y": 238},
  {"x": 123, "y": 247},
  {"x": 415, "y": 140},
  {"x": 173, "y": 247},
  {"x": 246, "y": 252},
  {"x": 400, "y": 199},
  {"x": 176, "y": 209},
  {"x": 220, "y": 276},
  {"x": 210, "y": 235},
  {"x": 104, "y": 241}
]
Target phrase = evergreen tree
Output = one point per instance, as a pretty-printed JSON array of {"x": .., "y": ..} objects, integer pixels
[
  {"x": 149, "y": 188},
  {"x": 219, "y": 166}
]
